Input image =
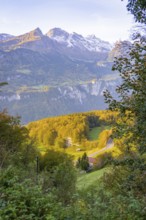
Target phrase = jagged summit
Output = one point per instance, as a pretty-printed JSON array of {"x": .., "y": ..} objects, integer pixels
[
  {"x": 32, "y": 35},
  {"x": 28, "y": 40},
  {"x": 37, "y": 32},
  {"x": 57, "y": 32}
]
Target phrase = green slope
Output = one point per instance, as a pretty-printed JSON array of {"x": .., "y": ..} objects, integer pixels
[{"x": 87, "y": 179}]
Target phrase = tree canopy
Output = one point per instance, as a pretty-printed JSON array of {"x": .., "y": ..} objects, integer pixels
[{"x": 138, "y": 9}]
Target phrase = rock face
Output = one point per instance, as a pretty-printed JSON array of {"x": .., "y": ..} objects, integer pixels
[{"x": 56, "y": 73}]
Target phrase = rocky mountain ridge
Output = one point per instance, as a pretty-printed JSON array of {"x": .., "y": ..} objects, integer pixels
[
  {"x": 91, "y": 42},
  {"x": 56, "y": 35}
]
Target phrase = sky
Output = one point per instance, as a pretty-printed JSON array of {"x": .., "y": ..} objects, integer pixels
[{"x": 107, "y": 19}]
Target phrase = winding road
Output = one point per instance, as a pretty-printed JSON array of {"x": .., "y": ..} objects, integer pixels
[{"x": 109, "y": 144}]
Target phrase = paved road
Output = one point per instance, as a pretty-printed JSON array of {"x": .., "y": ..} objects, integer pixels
[{"x": 109, "y": 144}]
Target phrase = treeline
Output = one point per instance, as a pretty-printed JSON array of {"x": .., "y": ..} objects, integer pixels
[{"x": 59, "y": 130}]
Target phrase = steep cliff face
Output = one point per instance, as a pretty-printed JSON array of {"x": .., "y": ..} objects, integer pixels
[{"x": 37, "y": 103}]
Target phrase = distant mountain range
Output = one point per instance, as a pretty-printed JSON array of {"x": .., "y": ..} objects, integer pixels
[
  {"x": 57, "y": 40},
  {"x": 56, "y": 73}
]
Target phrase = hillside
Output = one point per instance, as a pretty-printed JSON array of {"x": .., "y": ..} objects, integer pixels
[{"x": 73, "y": 132}]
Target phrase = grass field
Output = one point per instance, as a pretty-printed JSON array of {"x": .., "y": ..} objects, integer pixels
[
  {"x": 86, "y": 179},
  {"x": 94, "y": 133}
]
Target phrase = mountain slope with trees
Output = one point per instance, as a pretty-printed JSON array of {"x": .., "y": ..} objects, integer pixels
[{"x": 72, "y": 131}]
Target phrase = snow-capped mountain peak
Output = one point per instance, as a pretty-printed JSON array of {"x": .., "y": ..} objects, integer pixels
[{"x": 90, "y": 43}]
